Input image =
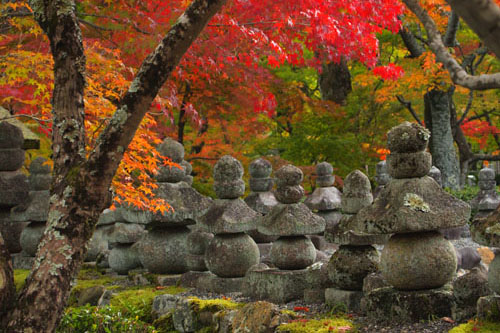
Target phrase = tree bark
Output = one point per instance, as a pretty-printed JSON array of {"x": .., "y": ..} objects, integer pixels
[
  {"x": 335, "y": 82},
  {"x": 80, "y": 189},
  {"x": 437, "y": 120},
  {"x": 7, "y": 289},
  {"x": 411, "y": 43}
]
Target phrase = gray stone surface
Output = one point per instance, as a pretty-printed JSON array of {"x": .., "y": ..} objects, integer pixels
[
  {"x": 37, "y": 210},
  {"x": 261, "y": 184},
  {"x": 172, "y": 149},
  {"x": 261, "y": 202},
  {"x": 190, "y": 279},
  {"x": 382, "y": 177},
  {"x": 340, "y": 234},
  {"x": 196, "y": 262},
  {"x": 275, "y": 285},
  {"x": 40, "y": 166},
  {"x": 39, "y": 182},
  {"x": 435, "y": 174},
  {"x": 260, "y": 168},
  {"x": 291, "y": 220},
  {"x": 357, "y": 192},
  {"x": 289, "y": 175},
  {"x": 197, "y": 241},
  {"x": 231, "y": 255},
  {"x": 410, "y": 205},
  {"x": 418, "y": 261},
  {"x": 374, "y": 281},
  {"x": 163, "y": 251},
  {"x": 494, "y": 274},
  {"x": 109, "y": 216},
  {"x": 133, "y": 215},
  {"x": 99, "y": 242},
  {"x": 163, "y": 304},
  {"x": 123, "y": 258},
  {"x": 349, "y": 265},
  {"x": 215, "y": 284},
  {"x": 324, "y": 172},
  {"x": 486, "y": 174},
  {"x": 229, "y": 189},
  {"x": 324, "y": 198},
  {"x": 409, "y": 165},
  {"x": 467, "y": 289},
  {"x": 14, "y": 189},
  {"x": 11, "y": 232},
  {"x": 22, "y": 261},
  {"x": 126, "y": 233},
  {"x": 343, "y": 300},
  {"x": 188, "y": 168},
  {"x": 227, "y": 169},
  {"x": 11, "y": 159},
  {"x": 10, "y": 136},
  {"x": 90, "y": 295},
  {"x": 30, "y": 139},
  {"x": 289, "y": 194},
  {"x": 31, "y": 236},
  {"x": 467, "y": 257},
  {"x": 488, "y": 307},
  {"x": 407, "y": 138},
  {"x": 293, "y": 253},
  {"x": 395, "y": 306},
  {"x": 170, "y": 174},
  {"x": 229, "y": 216}
]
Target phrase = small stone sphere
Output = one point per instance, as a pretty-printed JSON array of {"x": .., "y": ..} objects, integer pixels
[
  {"x": 260, "y": 238},
  {"x": 494, "y": 274},
  {"x": 229, "y": 189},
  {"x": 10, "y": 136},
  {"x": 260, "y": 184},
  {"x": 11, "y": 159},
  {"x": 289, "y": 175},
  {"x": 227, "y": 169},
  {"x": 172, "y": 149},
  {"x": 325, "y": 181},
  {"x": 196, "y": 262},
  {"x": 197, "y": 241},
  {"x": 98, "y": 243},
  {"x": 164, "y": 251},
  {"x": 170, "y": 174},
  {"x": 231, "y": 255},
  {"x": 188, "y": 168},
  {"x": 487, "y": 184},
  {"x": 407, "y": 138},
  {"x": 415, "y": 261},
  {"x": 409, "y": 165},
  {"x": 486, "y": 173},
  {"x": 123, "y": 258},
  {"x": 349, "y": 265},
  {"x": 295, "y": 252},
  {"x": 289, "y": 194},
  {"x": 31, "y": 236},
  {"x": 435, "y": 174},
  {"x": 324, "y": 169},
  {"x": 260, "y": 168}
]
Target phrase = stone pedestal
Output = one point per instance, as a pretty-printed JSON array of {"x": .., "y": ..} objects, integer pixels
[
  {"x": 222, "y": 285},
  {"x": 390, "y": 304},
  {"x": 343, "y": 300},
  {"x": 124, "y": 255}
]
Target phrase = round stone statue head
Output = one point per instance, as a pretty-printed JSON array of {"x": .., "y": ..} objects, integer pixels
[
  {"x": 486, "y": 173},
  {"x": 227, "y": 178},
  {"x": 172, "y": 149},
  {"x": 288, "y": 179},
  {"x": 382, "y": 177},
  {"x": 435, "y": 173},
  {"x": 357, "y": 192},
  {"x": 407, "y": 138},
  {"x": 260, "y": 170},
  {"x": 324, "y": 172}
]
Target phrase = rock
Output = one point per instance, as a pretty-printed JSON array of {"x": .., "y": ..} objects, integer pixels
[
  {"x": 289, "y": 175},
  {"x": 170, "y": 174},
  {"x": 37, "y": 210},
  {"x": 11, "y": 232},
  {"x": 340, "y": 234},
  {"x": 343, "y": 300},
  {"x": 324, "y": 198},
  {"x": 10, "y": 136},
  {"x": 407, "y": 138},
  {"x": 486, "y": 174},
  {"x": 123, "y": 258},
  {"x": 227, "y": 169},
  {"x": 260, "y": 168},
  {"x": 105, "y": 298},
  {"x": 108, "y": 217},
  {"x": 197, "y": 241},
  {"x": 98, "y": 242},
  {"x": 31, "y": 236},
  {"x": 126, "y": 233},
  {"x": 435, "y": 174},
  {"x": 229, "y": 216},
  {"x": 215, "y": 284},
  {"x": 172, "y": 149},
  {"x": 231, "y": 255},
  {"x": 291, "y": 220},
  {"x": 382, "y": 177},
  {"x": 453, "y": 233},
  {"x": 409, "y": 165},
  {"x": 40, "y": 166},
  {"x": 90, "y": 296},
  {"x": 349, "y": 266},
  {"x": 494, "y": 274},
  {"x": 132, "y": 215},
  {"x": 39, "y": 182},
  {"x": 275, "y": 285},
  {"x": 325, "y": 178},
  {"x": 229, "y": 189},
  {"x": 261, "y": 202},
  {"x": 164, "y": 250},
  {"x": 289, "y": 194},
  {"x": 14, "y": 189},
  {"x": 11, "y": 159},
  {"x": 418, "y": 261},
  {"x": 488, "y": 307},
  {"x": 468, "y": 258},
  {"x": 256, "y": 317},
  {"x": 410, "y": 205},
  {"x": 163, "y": 304},
  {"x": 261, "y": 184},
  {"x": 374, "y": 281},
  {"x": 196, "y": 262},
  {"x": 396, "y": 306},
  {"x": 357, "y": 192},
  {"x": 467, "y": 289},
  {"x": 188, "y": 168},
  {"x": 295, "y": 252}
]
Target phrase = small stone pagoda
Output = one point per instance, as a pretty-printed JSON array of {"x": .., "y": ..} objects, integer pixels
[
  {"x": 293, "y": 252},
  {"x": 356, "y": 257},
  {"x": 417, "y": 261},
  {"x": 231, "y": 252},
  {"x": 487, "y": 189},
  {"x": 382, "y": 177},
  {"x": 325, "y": 201},
  {"x": 163, "y": 249}
]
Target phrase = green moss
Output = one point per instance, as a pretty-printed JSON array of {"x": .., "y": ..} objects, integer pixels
[
  {"x": 88, "y": 278},
  {"x": 165, "y": 324},
  {"x": 214, "y": 305},
  {"x": 139, "y": 300},
  {"x": 324, "y": 325},
  {"x": 20, "y": 276},
  {"x": 290, "y": 313},
  {"x": 477, "y": 326}
]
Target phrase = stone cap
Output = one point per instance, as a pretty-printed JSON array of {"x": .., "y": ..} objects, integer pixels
[
  {"x": 260, "y": 168},
  {"x": 291, "y": 220},
  {"x": 229, "y": 216},
  {"x": 410, "y": 205},
  {"x": 31, "y": 140},
  {"x": 407, "y": 138},
  {"x": 227, "y": 169},
  {"x": 324, "y": 198},
  {"x": 172, "y": 149}
]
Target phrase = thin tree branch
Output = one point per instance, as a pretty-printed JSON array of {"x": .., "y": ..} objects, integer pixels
[
  {"x": 451, "y": 30},
  {"x": 407, "y": 104},
  {"x": 467, "y": 107}
]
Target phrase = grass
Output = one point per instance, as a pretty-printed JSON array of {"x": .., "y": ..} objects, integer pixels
[{"x": 477, "y": 326}]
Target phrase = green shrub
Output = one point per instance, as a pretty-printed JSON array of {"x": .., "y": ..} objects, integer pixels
[
  {"x": 107, "y": 319},
  {"x": 466, "y": 194}
]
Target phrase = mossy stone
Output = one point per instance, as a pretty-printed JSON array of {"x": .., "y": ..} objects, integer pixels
[
  {"x": 10, "y": 136},
  {"x": 407, "y": 138},
  {"x": 227, "y": 169},
  {"x": 260, "y": 168},
  {"x": 409, "y": 165},
  {"x": 295, "y": 252}
]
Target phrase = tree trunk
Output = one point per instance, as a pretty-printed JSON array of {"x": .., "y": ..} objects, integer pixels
[
  {"x": 437, "y": 120},
  {"x": 7, "y": 289},
  {"x": 335, "y": 82},
  {"x": 80, "y": 189}
]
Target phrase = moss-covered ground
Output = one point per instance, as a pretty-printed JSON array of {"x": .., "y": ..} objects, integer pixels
[{"x": 477, "y": 326}]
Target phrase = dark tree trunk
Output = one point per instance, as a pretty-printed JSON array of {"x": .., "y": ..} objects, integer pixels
[
  {"x": 80, "y": 189},
  {"x": 335, "y": 82},
  {"x": 411, "y": 43},
  {"x": 437, "y": 120},
  {"x": 7, "y": 289}
]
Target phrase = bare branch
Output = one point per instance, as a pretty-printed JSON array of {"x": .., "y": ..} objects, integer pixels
[
  {"x": 451, "y": 30},
  {"x": 457, "y": 73},
  {"x": 407, "y": 104}
]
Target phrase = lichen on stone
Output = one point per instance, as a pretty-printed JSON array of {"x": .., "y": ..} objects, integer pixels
[
  {"x": 416, "y": 202},
  {"x": 424, "y": 133}
]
